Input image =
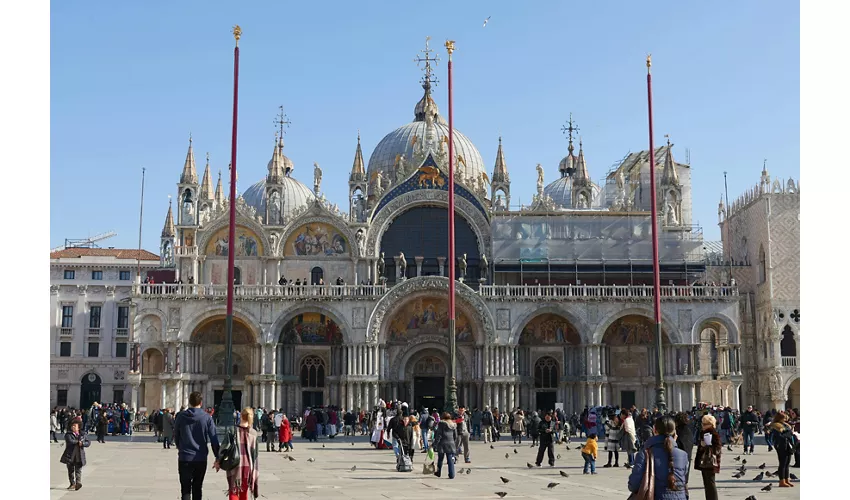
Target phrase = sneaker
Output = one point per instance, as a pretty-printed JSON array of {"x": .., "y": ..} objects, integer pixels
[
  {"x": 593, "y": 473},
  {"x": 585, "y": 472},
  {"x": 467, "y": 461},
  {"x": 606, "y": 466},
  {"x": 78, "y": 486},
  {"x": 72, "y": 486}
]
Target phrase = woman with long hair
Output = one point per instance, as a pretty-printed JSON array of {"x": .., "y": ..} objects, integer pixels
[
  {"x": 709, "y": 449},
  {"x": 244, "y": 478},
  {"x": 669, "y": 462},
  {"x": 784, "y": 443}
]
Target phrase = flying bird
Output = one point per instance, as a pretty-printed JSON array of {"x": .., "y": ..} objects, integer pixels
[
  {"x": 564, "y": 474},
  {"x": 552, "y": 485},
  {"x": 353, "y": 468},
  {"x": 529, "y": 465},
  {"x": 759, "y": 477},
  {"x": 767, "y": 488},
  {"x": 486, "y": 20},
  {"x": 505, "y": 480},
  {"x": 501, "y": 494}
]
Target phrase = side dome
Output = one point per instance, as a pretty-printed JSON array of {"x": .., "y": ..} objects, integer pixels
[
  {"x": 560, "y": 190},
  {"x": 295, "y": 195}
]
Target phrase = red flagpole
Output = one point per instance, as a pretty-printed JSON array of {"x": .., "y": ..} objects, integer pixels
[
  {"x": 660, "y": 400},
  {"x": 226, "y": 408},
  {"x": 451, "y": 403}
]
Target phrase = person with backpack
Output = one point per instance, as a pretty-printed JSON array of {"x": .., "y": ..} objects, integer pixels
[
  {"x": 444, "y": 442},
  {"x": 427, "y": 429},
  {"x": 267, "y": 426},
  {"x": 785, "y": 443},
  {"x": 193, "y": 428},
  {"x": 487, "y": 424}
]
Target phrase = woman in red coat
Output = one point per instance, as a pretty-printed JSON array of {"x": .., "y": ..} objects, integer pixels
[{"x": 285, "y": 437}]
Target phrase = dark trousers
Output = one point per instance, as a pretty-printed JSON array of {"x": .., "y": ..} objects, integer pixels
[
  {"x": 709, "y": 484},
  {"x": 166, "y": 443},
  {"x": 749, "y": 439},
  {"x": 797, "y": 455},
  {"x": 616, "y": 456},
  {"x": 75, "y": 473},
  {"x": 191, "y": 479},
  {"x": 784, "y": 464},
  {"x": 546, "y": 446},
  {"x": 53, "y": 436},
  {"x": 270, "y": 439},
  {"x": 449, "y": 461}
]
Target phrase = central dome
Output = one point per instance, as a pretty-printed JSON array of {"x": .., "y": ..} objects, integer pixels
[
  {"x": 400, "y": 141},
  {"x": 295, "y": 195}
]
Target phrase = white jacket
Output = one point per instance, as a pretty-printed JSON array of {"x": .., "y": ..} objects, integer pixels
[{"x": 54, "y": 424}]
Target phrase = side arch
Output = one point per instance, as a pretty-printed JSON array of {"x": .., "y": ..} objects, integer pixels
[
  {"x": 727, "y": 322},
  {"x": 667, "y": 325},
  {"x": 400, "y": 363},
  {"x": 251, "y": 321},
  {"x": 581, "y": 326},
  {"x": 139, "y": 321},
  {"x": 241, "y": 220}
]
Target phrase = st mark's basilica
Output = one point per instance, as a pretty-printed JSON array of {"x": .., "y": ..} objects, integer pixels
[{"x": 553, "y": 301}]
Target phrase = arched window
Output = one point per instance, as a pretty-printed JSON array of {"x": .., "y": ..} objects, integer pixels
[
  {"x": 312, "y": 372},
  {"x": 546, "y": 373},
  {"x": 788, "y": 345},
  {"x": 762, "y": 265},
  {"x": 316, "y": 275}
]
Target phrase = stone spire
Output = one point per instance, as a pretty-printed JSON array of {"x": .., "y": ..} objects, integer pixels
[
  {"x": 219, "y": 191},
  {"x": 500, "y": 169},
  {"x": 168, "y": 229},
  {"x": 358, "y": 172},
  {"x": 206, "y": 182},
  {"x": 190, "y": 175},
  {"x": 275, "y": 175},
  {"x": 670, "y": 177},
  {"x": 581, "y": 177}
]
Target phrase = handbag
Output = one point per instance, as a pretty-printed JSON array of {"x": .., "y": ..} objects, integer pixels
[
  {"x": 708, "y": 460},
  {"x": 228, "y": 454},
  {"x": 646, "y": 491}
]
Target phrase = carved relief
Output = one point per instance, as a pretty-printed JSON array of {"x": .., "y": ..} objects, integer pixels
[
  {"x": 358, "y": 317},
  {"x": 173, "y": 318},
  {"x": 62, "y": 374},
  {"x": 503, "y": 319},
  {"x": 119, "y": 375}
]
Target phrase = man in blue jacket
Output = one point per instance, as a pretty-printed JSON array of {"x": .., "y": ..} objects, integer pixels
[{"x": 192, "y": 429}]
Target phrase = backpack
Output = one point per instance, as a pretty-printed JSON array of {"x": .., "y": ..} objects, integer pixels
[{"x": 487, "y": 418}]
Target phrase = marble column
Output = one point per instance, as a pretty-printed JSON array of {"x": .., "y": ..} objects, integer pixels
[
  {"x": 162, "y": 401},
  {"x": 693, "y": 394},
  {"x": 441, "y": 261},
  {"x": 418, "y": 265}
]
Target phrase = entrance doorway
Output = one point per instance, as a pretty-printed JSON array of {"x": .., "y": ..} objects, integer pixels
[
  {"x": 316, "y": 275},
  {"x": 545, "y": 401},
  {"x": 312, "y": 399},
  {"x": 237, "y": 399},
  {"x": 89, "y": 390},
  {"x": 628, "y": 399},
  {"x": 429, "y": 392}
]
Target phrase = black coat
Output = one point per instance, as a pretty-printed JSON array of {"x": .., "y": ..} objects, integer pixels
[
  {"x": 74, "y": 453},
  {"x": 685, "y": 440},
  {"x": 546, "y": 431},
  {"x": 404, "y": 434},
  {"x": 445, "y": 437}
]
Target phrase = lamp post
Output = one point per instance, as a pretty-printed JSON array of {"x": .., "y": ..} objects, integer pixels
[
  {"x": 451, "y": 399},
  {"x": 225, "y": 418},
  {"x": 660, "y": 400}
]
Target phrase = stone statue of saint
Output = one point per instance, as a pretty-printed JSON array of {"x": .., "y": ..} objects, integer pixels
[
  {"x": 188, "y": 213},
  {"x": 382, "y": 267},
  {"x": 484, "y": 268},
  {"x": 402, "y": 266},
  {"x": 539, "y": 179},
  {"x": 360, "y": 236},
  {"x": 776, "y": 382},
  {"x": 274, "y": 208},
  {"x": 379, "y": 185},
  {"x": 671, "y": 215},
  {"x": 167, "y": 258},
  {"x": 317, "y": 177},
  {"x": 462, "y": 266}
]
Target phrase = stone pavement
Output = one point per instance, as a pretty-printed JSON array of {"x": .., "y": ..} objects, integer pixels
[{"x": 138, "y": 468}]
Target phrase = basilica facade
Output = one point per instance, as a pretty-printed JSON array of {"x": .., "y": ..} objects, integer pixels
[{"x": 554, "y": 299}]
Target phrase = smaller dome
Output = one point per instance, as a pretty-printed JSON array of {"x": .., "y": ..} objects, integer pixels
[
  {"x": 568, "y": 164},
  {"x": 294, "y": 196},
  {"x": 560, "y": 190},
  {"x": 288, "y": 166}
]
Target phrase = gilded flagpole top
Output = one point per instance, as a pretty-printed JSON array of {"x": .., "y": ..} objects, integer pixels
[
  {"x": 450, "y": 46},
  {"x": 648, "y": 62},
  {"x": 237, "y": 33}
]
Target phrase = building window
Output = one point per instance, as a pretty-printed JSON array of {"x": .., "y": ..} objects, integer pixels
[
  {"x": 124, "y": 275},
  {"x": 94, "y": 349},
  {"x": 62, "y": 397},
  {"x": 312, "y": 372},
  {"x": 69, "y": 274},
  {"x": 94, "y": 317},
  {"x": 123, "y": 316},
  {"x": 118, "y": 396},
  {"x": 546, "y": 373},
  {"x": 67, "y": 316},
  {"x": 65, "y": 349},
  {"x": 97, "y": 275},
  {"x": 788, "y": 344},
  {"x": 121, "y": 350}
]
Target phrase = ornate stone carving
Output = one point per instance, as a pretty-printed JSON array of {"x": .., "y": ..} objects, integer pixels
[
  {"x": 358, "y": 317},
  {"x": 62, "y": 374},
  {"x": 776, "y": 385},
  {"x": 54, "y": 289},
  {"x": 381, "y": 221},
  {"x": 119, "y": 374},
  {"x": 424, "y": 284},
  {"x": 173, "y": 318},
  {"x": 82, "y": 289},
  {"x": 110, "y": 290},
  {"x": 503, "y": 319},
  {"x": 412, "y": 346}
]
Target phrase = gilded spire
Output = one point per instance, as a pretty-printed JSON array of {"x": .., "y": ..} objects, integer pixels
[
  {"x": 670, "y": 176},
  {"x": 426, "y": 106},
  {"x": 168, "y": 229},
  {"x": 500, "y": 169},
  {"x": 275, "y": 175},
  {"x": 219, "y": 191},
  {"x": 206, "y": 182},
  {"x": 357, "y": 170},
  {"x": 190, "y": 175},
  {"x": 582, "y": 177}
]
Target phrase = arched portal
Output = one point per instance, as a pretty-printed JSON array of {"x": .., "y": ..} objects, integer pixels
[
  {"x": 429, "y": 380},
  {"x": 421, "y": 232},
  {"x": 312, "y": 374},
  {"x": 317, "y": 276},
  {"x": 153, "y": 364},
  {"x": 89, "y": 390},
  {"x": 551, "y": 335},
  {"x": 629, "y": 360},
  {"x": 210, "y": 334},
  {"x": 546, "y": 379},
  {"x": 793, "y": 396}
]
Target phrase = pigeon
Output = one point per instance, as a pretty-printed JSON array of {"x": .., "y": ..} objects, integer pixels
[
  {"x": 291, "y": 458},
  {"x": 738, "y": 475},
  {"x": 759, "y": 477},
  {"x": 515, "y": 452},
  {"x": 485, "y": 21},
  {"x": 323, "y": 445},
  {"x": 552, "y": 485},
  {"x": 491, "y": 447},
  {"x": 532, "y": 446},
  {"x": 353, "y": 468},
  {"x": 558, "y": 457},
  {"x": 568, "y": 447},
  {"x": 729, "y": 448},
  {"x": 460, "y": 471},
  {"x": 564, "y": 474},
  {"x": 507, "y": 456},
  {"x": 751, "y": 497},
  {"x": 795, "y": 478},
  {"x": 762, "y": 466},
  {"x": 501, "y": 494},
  {"x": 738, "y": 458},
  {"x": 767, "y": 488},
  {"x": 744, "y": 461},
  {"x": 742, "y": 468},
  {"x": 528, "y": 464},
  {"x": 505, "y": 480},
  {"x": 352, "y": 443},
  {"x": 769, "y": 474},
  {"x": 311, "y": 459},
  {"x": 468, "y": 471}
]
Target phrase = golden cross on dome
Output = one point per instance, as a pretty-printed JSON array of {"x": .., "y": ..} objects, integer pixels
[
  {"x": 569, "y": 130},
  {"x": 281, "y": 119},
  {"x": 426, "y": 58}
]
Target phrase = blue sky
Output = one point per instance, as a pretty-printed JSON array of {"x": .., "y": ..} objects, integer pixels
[{"x": 129, "y": 81}]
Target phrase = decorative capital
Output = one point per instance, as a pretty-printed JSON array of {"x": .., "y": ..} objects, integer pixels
[
  {"x": 450, "y": 46},
  {"x": 237, "y": 33}
]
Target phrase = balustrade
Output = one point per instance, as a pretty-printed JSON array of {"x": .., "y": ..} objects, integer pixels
[{"x": 789, "y": 361}]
